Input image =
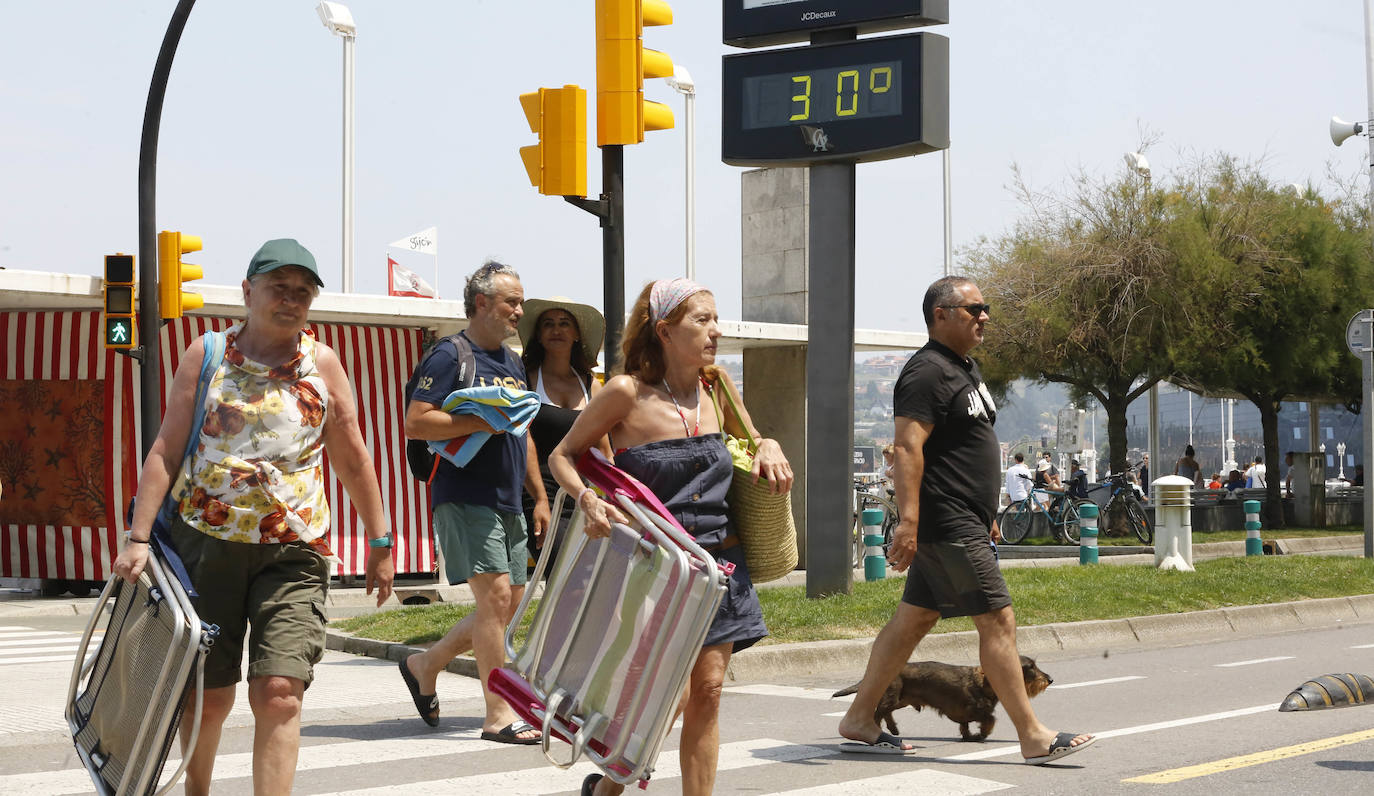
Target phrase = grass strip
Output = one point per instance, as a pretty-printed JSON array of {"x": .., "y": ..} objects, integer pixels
[{"x": 1040, "y": 595}]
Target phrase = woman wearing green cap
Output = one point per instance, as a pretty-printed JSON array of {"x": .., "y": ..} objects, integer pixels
[{"x": 252, "y": 522}]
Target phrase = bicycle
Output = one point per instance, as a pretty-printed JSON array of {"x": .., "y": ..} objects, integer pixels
[
  {"x": 872, "y": 495},
  {"x": 1016, "y": 519},
  {"x": 1124, "y": 499}
]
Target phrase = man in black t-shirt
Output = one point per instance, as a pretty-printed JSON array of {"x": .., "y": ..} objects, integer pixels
[
  {"x": 478, "y": 518},
  {"x": 947, "y": 482}
]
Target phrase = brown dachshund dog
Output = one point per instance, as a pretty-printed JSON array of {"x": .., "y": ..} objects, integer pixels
[{"x": 959, "y": 693}]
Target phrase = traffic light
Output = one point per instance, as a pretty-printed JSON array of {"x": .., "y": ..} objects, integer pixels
[
  {"x": 622, "y": 63},
  {"x": 557, "y": 165},
  {"x": 118, "y": 301},
  {"x": 171, "y": 272}
]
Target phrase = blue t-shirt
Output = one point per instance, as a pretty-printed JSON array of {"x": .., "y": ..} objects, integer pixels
[{"x": 495, "y": 476}]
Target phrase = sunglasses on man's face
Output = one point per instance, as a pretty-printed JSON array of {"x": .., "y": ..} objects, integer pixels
[{"x": 972, "y": 309}]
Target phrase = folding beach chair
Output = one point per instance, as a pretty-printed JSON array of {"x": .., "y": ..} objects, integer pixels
[
  {"x": 124, "y": 703},
  {"x": 613, "y": 641}
]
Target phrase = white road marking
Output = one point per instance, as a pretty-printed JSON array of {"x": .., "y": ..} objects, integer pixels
[
  {"x": 1160, "y": 725},
  {"x": 1362, "y": 646},
  {"x": 22, "y": 632},
  {"x": 794, "y": 692},
  {"x": 922, "y": 782},
  {"x": 1256, "y": 660},
  {"x": 8, "y": 654},
  {"x": 313, "y": 757},
  {"x": 62, "y": 638},
  {"x": 1108, "y": 681},
  {"x": 38, "y": 659},
  {"x": 744, "y": 754}
]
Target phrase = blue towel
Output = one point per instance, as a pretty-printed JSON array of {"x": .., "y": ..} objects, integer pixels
[{"x": 506, "y": 410}]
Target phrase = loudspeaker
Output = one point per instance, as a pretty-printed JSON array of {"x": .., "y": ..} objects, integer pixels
[{"x": 1342, "y": 130}]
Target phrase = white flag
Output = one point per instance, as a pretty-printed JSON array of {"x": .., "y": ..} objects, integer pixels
[
  {"x": 425, "y": 241},
  {"x": 405, "y": 282}
]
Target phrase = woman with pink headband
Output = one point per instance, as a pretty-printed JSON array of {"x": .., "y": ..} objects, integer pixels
[{"x": 662, "y": 435}]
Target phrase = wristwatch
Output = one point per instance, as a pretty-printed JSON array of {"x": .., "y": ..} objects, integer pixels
[{"x": 384, "y": 541}]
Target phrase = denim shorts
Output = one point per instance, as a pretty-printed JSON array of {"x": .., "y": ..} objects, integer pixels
[
  {"x": 478, "y": 539},
  {"x": 272, "y": 593}
]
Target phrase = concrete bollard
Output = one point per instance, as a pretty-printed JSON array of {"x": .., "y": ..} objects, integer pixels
[
  {"x": 875, "y": 562},
  {"x": 1087, "y": 533},
  {"x": 1173, "y": 522},
  {"x": 1253, "y": 545}
]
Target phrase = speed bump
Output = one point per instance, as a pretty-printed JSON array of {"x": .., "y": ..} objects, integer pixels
[{"x": 1330, "y": 691}]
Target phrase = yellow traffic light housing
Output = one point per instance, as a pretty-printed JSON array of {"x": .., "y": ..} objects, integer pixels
[
  {"x": 557, "y": 165},
  {"x": 171, "y": 272},
  {"x": 622, "y": 63},
  {"x": 117, "y": 299}
]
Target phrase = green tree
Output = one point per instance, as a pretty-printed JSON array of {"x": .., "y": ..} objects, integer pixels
[
  {"x": 1305, "y": 269},
  {"x": 1092, "y": 289}
]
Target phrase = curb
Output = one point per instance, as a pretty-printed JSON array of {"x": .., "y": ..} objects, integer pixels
[
  {"x": 1164, "y": 630},
  {"x": 764, "y": 663}
]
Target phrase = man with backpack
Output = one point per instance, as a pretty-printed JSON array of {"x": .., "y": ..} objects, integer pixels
[{"x": 477, "y": 514}]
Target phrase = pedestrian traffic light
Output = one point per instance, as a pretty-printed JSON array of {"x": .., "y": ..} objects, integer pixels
[
  {"x": 557, "y": 165},
  {"x": 622, "y": 63},
  {"x": 117, "y": 298},
  {"x": 171, "y": 272}
]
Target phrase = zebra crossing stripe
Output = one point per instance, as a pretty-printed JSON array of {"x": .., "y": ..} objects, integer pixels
[
  {"x": 795, "y": 692},
  {"x": 546, "y": 779},
  {"x": 922, "y": 782},
  {"x": 68, "y": 658},
  {"x": 24, "y": 632},
  {"x": 8, "y": 655},
  {"x": 239, "y": 765},
  {"x": 18, "y": 644}
]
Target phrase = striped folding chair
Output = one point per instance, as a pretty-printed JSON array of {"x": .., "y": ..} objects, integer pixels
[{"x": 611, "y": 645}]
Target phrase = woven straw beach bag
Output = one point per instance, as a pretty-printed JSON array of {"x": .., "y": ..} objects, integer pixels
[{"x": 762, "y": 520}]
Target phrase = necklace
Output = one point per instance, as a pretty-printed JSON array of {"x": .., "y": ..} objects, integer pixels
[{"x": 691, "y": 432}]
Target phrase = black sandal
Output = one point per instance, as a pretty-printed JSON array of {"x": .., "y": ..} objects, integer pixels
[
  {"x": 427, "y": 705},
  {"x": 589, "y": 784}
]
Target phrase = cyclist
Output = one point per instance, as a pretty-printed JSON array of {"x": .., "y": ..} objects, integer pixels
[
  {"x": 1018, "y": 479},
  {"x": 1078, "y": 482},
  {"x": 1047, "y": 479}
]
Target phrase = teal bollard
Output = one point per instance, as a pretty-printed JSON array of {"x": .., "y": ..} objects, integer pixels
[
  {"x": 1087, "y": 533},
  {"x": 875, "y": 563},
  {"x": 1253, "y": 545}
]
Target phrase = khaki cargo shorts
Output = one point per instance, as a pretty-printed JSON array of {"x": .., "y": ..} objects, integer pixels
[{"x": 272, "y": 593}]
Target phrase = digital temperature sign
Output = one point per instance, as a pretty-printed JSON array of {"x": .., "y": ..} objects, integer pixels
[{"x": 863, "y": 100}]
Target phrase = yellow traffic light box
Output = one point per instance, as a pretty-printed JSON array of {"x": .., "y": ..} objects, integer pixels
[
  {"x": 171, "y": 272},
  {"x": 117, "y": 300},
  {"x": 622, "y": 63},
  {"x": 557, "y": 165}
]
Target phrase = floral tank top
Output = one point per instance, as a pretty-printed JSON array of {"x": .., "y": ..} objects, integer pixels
[{"x": 257, "y": 475}]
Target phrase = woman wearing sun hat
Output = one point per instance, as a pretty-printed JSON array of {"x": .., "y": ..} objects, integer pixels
[{"x": 559, "y": 339}]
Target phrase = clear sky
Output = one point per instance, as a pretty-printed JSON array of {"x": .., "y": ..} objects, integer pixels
[{"x": 251, "y": 132}]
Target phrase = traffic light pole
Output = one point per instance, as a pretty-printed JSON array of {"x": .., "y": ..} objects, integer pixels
[
  {"x": 610, "y": 208},
  {"x": 149, "y": 318}
]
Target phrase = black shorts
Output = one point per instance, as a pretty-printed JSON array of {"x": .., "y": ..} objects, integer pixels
[{"x": 957, "y": 576}]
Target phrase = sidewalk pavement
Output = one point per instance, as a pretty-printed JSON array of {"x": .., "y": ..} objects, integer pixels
[{"x": 767, "y": 661}]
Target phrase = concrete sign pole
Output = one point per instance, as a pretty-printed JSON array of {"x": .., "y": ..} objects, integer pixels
[{"x": 1359, "y": 338}]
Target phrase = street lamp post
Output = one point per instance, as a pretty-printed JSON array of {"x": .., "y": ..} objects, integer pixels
[
  {"x": 1339, "y": 132},
  {"x": 1136, "y": 162},
  {"x": 949, "y": 225},
  {"x": 339, "y": 20},
  {"x": 681, "y": 81}
]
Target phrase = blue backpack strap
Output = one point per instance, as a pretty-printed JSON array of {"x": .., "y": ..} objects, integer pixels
[{"x": 213, "y": 343}]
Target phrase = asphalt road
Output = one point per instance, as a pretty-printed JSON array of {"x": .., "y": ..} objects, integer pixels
[{"x": 1198, "y": 719}]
